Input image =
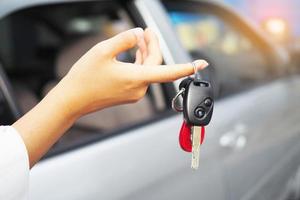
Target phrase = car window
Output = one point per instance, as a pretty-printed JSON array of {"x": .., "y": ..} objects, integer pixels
[
  {"x": 40, "y": 44},
  {"x": 236, "y": 62},
  {"x": 5, "y": 114}
]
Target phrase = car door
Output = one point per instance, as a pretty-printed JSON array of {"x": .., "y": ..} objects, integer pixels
[
  {"x": 101, "y": 156},
  {"x": 257, "y": 102}
]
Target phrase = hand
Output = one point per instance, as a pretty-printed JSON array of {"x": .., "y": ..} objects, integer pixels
[{"x": 98, "y": 80}]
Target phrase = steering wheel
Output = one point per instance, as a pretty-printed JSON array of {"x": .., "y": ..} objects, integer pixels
[{"x": 9, "y": 98}]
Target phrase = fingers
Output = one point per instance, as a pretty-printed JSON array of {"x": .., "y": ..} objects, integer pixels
[
  {"x": 168, "y": 73},
  {"x": 123, "y": 41},
  {"x": 154, "y": 54},
  {"x": 142, "y": 47},
  {"x": 138, "y": 57}
]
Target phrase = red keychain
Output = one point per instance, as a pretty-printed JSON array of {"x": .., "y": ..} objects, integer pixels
[{"x": 185, "y": 141}]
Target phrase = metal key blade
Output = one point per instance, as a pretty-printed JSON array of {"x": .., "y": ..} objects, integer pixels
[{"x": 196, "y": 138}]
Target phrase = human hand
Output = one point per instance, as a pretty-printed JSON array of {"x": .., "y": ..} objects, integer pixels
[{"x": 98, "y": 80}]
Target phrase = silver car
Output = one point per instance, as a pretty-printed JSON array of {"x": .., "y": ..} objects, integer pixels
[{"x": 252, "y": 145}]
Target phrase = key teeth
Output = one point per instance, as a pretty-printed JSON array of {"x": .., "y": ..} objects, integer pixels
[
  {"x": 194, "y": 168},
  {"x": 196, "y": 132}
]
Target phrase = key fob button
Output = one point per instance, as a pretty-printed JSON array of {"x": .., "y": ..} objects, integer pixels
[
  {"x": 199, "y": 112},
  {"x": 208, "y": 102}
]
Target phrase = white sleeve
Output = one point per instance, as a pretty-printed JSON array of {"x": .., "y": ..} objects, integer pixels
[{"x": 14, "y": 165}]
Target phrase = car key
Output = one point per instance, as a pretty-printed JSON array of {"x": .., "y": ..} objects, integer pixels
[{"x": 197, "y": 111}]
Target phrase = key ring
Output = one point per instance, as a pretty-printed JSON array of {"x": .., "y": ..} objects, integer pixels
[
  {"x": 174, "y": 107},
  {"x": 195, "y": 67}
]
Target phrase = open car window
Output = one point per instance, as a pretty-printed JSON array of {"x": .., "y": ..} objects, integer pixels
[
  {"x": 40, "y": 44},
  {"x": 237, "y": 62},
  {"x": 5, "y": 115}
]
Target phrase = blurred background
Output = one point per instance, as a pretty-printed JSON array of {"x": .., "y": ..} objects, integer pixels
[{"x": 279, "y": 19}]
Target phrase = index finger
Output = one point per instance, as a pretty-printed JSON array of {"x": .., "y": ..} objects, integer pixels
[{"x": 168, "y": 73}]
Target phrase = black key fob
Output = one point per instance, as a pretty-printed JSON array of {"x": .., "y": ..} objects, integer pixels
[{"x": 198, "y": 102}]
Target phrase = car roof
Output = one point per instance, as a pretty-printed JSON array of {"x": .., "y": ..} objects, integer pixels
[{"x": 9, "y": 6}]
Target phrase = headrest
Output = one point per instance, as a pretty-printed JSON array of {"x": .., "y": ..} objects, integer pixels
[{"x": 71, "y": 53}]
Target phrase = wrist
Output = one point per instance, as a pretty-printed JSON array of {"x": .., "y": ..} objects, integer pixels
[
  {"x": 61, "y": 99},
  {"x": 43, "y": 125}
]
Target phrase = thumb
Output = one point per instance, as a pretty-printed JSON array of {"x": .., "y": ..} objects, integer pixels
[
  {"x": 168, "y": 73},
  {"x": 123, "y": 41}
]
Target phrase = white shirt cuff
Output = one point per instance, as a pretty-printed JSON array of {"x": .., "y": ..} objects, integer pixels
[{"x": 14, "y": 165}]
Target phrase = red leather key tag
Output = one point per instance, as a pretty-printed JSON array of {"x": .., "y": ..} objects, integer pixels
[{"x": 185, "y": 137}]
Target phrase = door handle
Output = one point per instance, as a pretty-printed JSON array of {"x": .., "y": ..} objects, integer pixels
[{"x": 235, "y": 138}]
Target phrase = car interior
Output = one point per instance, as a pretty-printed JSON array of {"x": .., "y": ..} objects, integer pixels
[{"x": 56, "y": 36}]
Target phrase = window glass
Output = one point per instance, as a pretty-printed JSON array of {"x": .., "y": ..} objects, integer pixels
[
  {"x": 236, "y": 63},
  {"x": 5, "y": 115},
  {"x": 41, "y": 44}
]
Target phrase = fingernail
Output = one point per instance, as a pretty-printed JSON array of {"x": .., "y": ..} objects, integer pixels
[
  {"x": 139, "y": 33},
  {"x": 200, "y": 64}
]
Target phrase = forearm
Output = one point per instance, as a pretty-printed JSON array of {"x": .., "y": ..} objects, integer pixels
[{"x": 42, "y": 126}]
